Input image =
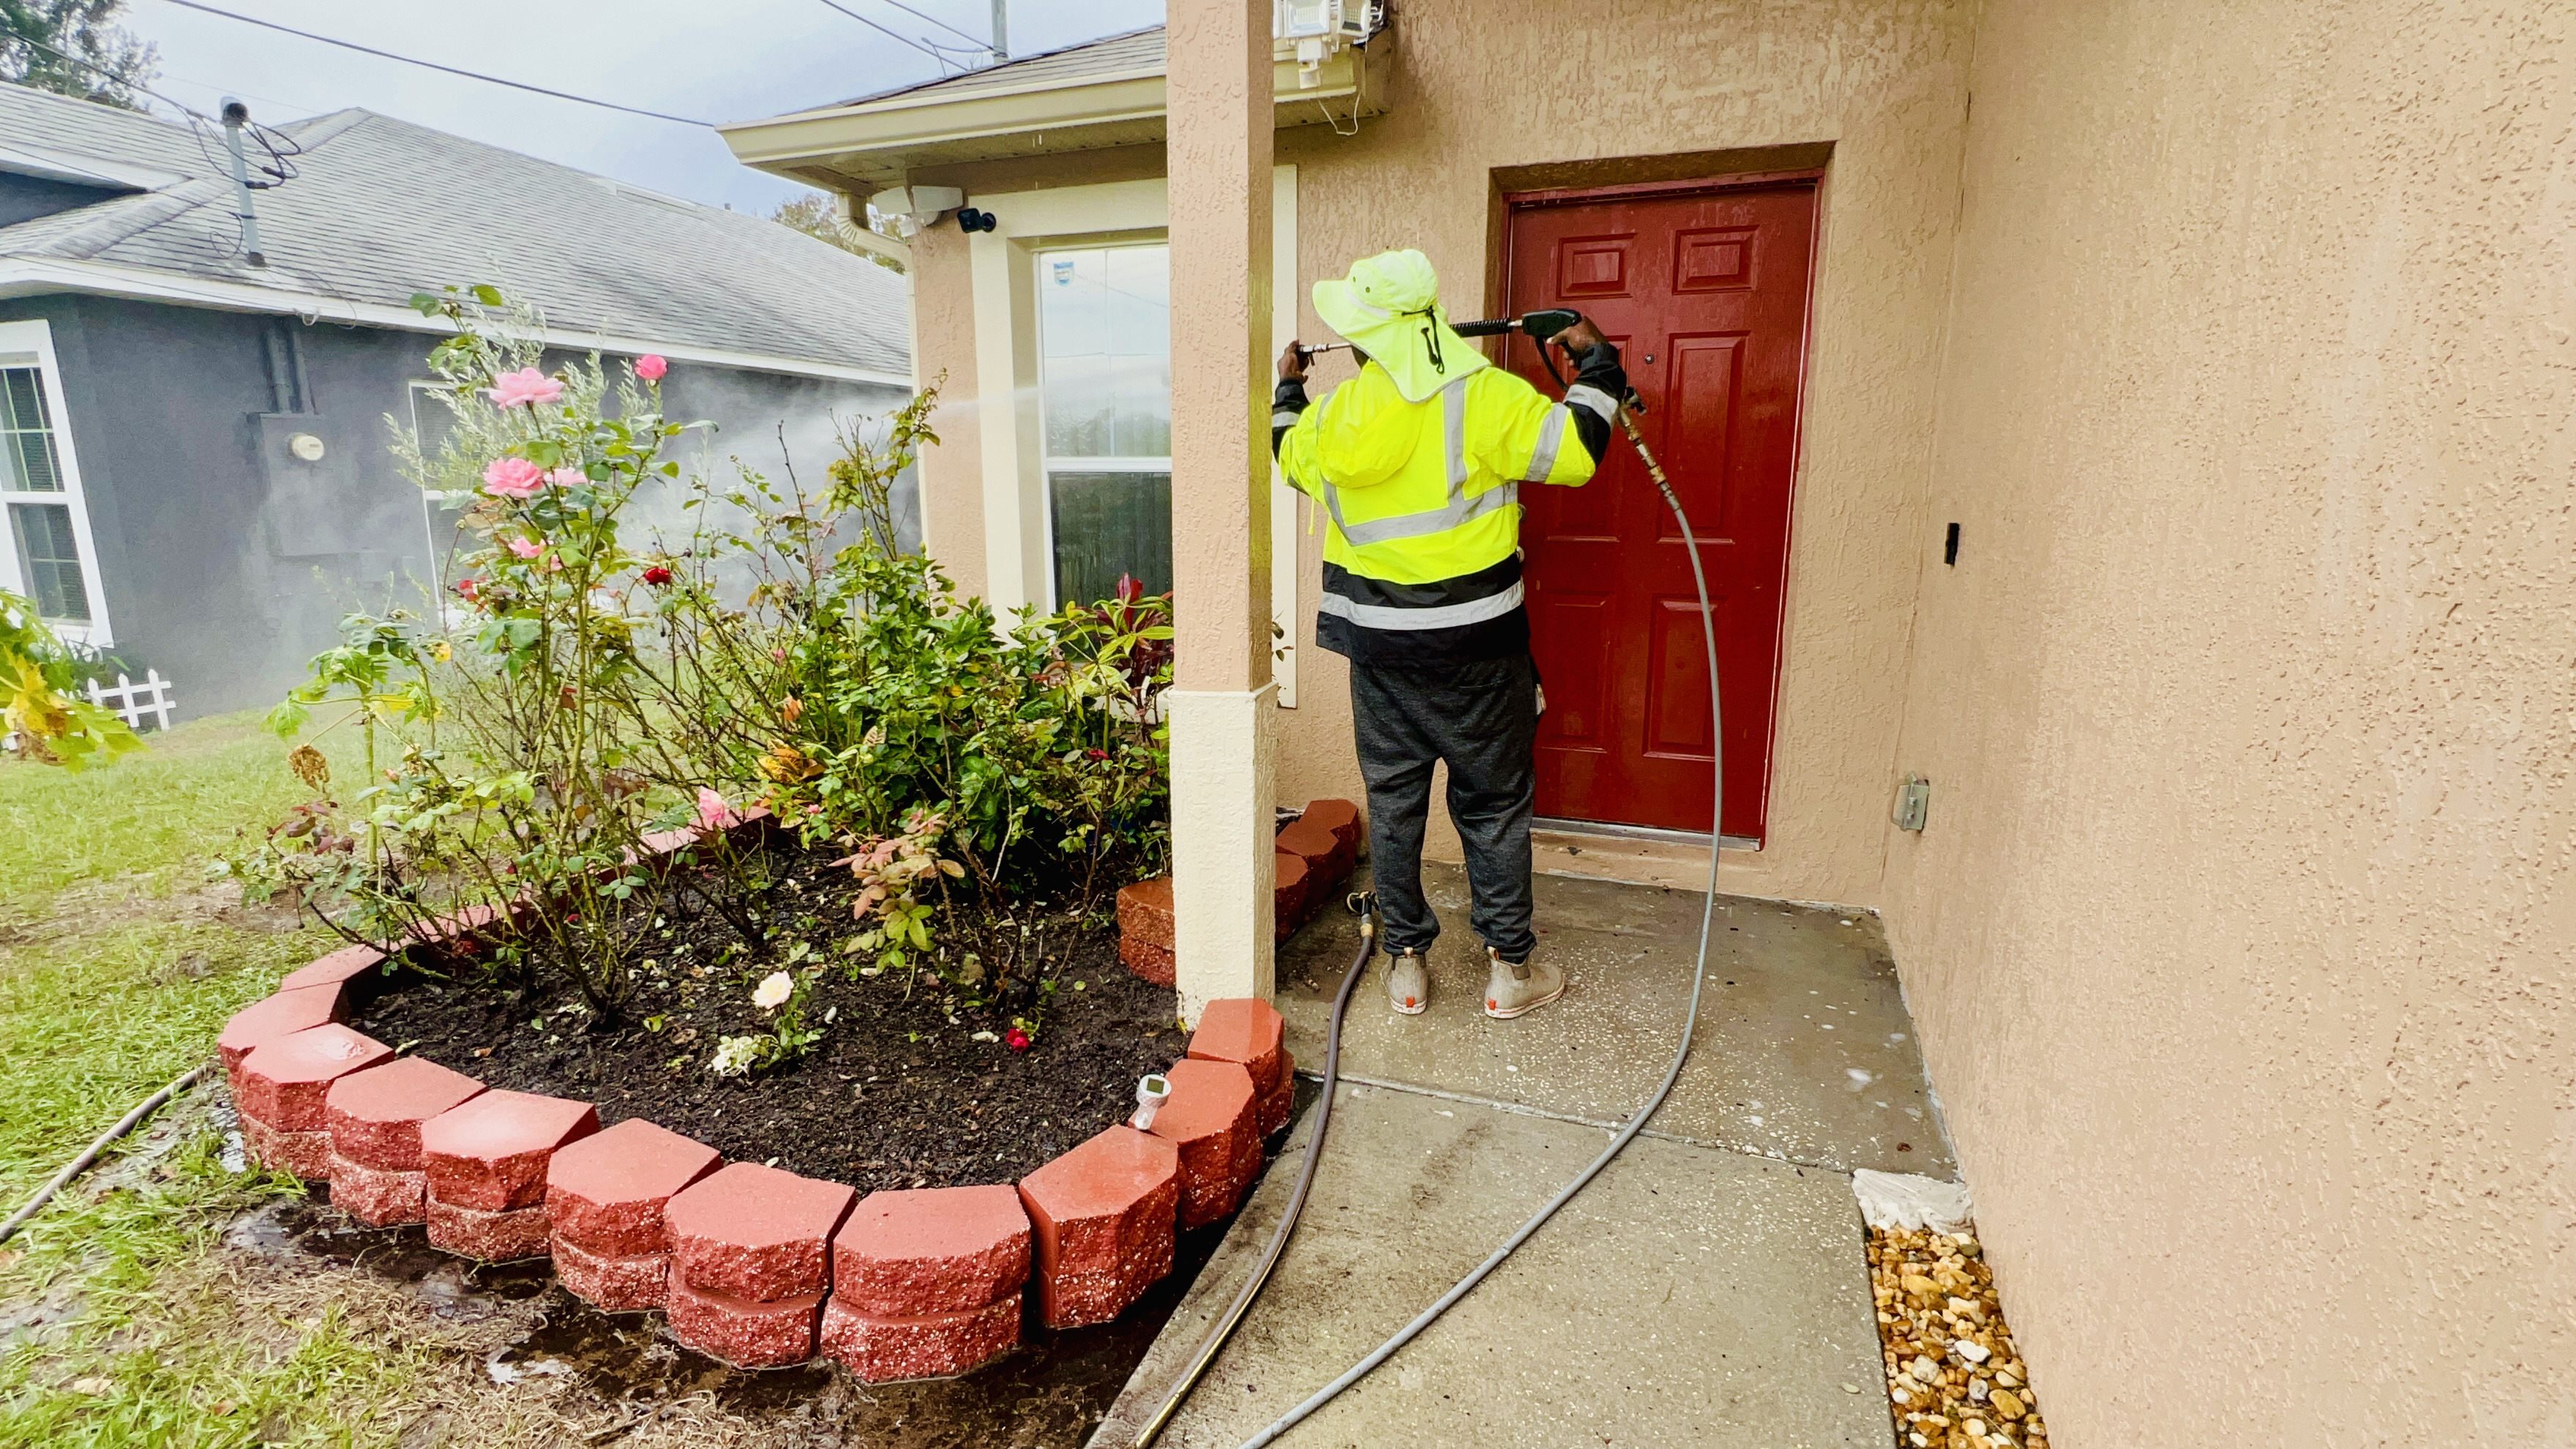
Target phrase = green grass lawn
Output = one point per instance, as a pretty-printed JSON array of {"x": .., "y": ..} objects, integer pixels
[{"x": 119, "y": 962}]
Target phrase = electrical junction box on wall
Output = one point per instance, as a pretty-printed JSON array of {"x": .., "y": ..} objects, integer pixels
[{"x": 1913, "y": 803}]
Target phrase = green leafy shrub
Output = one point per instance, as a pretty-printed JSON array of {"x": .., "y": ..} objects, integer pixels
[{"x": 585, "y": 690}]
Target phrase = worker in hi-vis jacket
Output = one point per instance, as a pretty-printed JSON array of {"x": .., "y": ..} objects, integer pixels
[{"x": 1418, "y": 463}]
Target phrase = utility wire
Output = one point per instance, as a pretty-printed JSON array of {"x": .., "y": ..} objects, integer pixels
[
  {"x": 942, "y": 24},
  {"x": 846, "y": 10},
  {"x": 101, "y": 71},
  {"x": 448, "y": 69}
]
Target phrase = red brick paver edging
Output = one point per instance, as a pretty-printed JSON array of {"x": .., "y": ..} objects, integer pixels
[
  {"x": 1315, "y": 854},
  {"x": 753, "y": 1265}
]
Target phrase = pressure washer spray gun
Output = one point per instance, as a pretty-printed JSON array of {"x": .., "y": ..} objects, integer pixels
[{"x": 1543, "y": 327}]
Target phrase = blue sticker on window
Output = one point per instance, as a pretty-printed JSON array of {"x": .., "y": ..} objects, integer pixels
[{"x": 1064, "y": 271}]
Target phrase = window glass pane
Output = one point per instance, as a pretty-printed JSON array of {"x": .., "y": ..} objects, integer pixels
[
  {"x": 50, "y": 560},
  {"x": 1143, "y": 387},
  {"x": 1105, "y": 324},
  {"x": 1071, "y": 295},
  {"x": 1140, "y": 301},
  {"x": 26, "y": 435},
  {"x": 1079, "y": 407},
  {"x": 1107, "y": 524}
]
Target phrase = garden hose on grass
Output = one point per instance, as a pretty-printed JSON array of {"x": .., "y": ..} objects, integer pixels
[
  {"x": 1690, "y": 1023},
  {"x": 80, "y": 1164}
]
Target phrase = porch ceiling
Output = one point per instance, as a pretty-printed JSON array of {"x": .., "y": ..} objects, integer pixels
[{"x": 1108, "y": 93}]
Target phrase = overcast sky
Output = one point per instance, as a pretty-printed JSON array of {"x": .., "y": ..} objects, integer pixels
[{"x": 716, "y": 60}]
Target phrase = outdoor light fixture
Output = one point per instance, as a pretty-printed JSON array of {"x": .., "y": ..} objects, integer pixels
[{"x": 916, "y": 207}]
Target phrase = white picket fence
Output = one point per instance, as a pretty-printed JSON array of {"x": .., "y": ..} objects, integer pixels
[{"x": 132, "y": 701}]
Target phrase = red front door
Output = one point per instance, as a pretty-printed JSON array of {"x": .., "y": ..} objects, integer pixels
[{"x": 1705, "y": 293}]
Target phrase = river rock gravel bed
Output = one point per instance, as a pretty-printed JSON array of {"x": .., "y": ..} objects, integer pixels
[{"x": 1954, "y": 1379}]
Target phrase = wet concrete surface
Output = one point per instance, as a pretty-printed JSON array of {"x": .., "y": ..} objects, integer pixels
[
  {"x": 1690, "y": 1296},
  {"x": 1047, "y": 1394},
  {"x": 1709, "y": 1288},
  {"x": 1804, "y": 1051}
]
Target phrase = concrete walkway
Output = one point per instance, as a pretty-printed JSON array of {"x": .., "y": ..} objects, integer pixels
[{"x": 1708, "y": 1289}]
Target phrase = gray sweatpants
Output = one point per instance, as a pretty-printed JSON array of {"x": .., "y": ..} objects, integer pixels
[{"x": 1482, "y": 719}]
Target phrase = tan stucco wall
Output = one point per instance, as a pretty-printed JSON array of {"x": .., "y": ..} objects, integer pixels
[
  {"x": 943, "y": 342},
  {"x": 1487, "y": 84},
  {"x": 2239, "y": 941},
  {"x": 1481, "y": 85}
]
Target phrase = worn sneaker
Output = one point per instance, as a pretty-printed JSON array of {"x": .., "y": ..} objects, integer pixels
[
  {"x": 1515, "y": 990},
  {"x": 1408, "y": 986}
]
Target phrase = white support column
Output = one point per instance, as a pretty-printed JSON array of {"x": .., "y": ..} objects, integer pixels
[{"x": 1223, "y": 710}]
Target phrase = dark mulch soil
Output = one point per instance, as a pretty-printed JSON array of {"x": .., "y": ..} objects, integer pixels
[{"x": 898, "y": 1093}]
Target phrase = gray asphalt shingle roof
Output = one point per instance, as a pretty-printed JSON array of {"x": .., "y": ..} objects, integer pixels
[{"x": 384, "y": 208}]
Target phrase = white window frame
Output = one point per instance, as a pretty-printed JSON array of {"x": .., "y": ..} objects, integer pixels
[
  {"x": 1018, "y": 535},
  {"x": 1048, "y": 463},
  {"x": 31, "y": 343}
]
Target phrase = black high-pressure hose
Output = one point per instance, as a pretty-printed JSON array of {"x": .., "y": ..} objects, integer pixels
[
  {"x": 1541, "y": 327},
  {"x": 1365, "y": 906}
]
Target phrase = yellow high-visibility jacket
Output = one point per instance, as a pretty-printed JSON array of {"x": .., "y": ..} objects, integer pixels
[{"x": 1423, "y": 499}]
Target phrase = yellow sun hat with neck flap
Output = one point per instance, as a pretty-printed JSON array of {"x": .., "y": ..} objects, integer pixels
[{"x": 1389, "y": 306}]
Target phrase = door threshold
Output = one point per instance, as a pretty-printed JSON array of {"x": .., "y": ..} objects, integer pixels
[{"x": 1656, "y": 834}]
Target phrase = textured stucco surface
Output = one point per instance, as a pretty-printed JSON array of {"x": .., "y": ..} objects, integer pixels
[
  {"x": 943, "y": 340},
  {"x": 2239, "y": 938},
  {"x": 1485, "y": 84},
  {"x": 1481, "y": 85}
]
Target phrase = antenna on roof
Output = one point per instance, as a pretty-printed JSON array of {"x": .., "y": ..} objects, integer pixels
[
  {"x": 1001, "y": 31},
  {"x": 236, "y": 116}
]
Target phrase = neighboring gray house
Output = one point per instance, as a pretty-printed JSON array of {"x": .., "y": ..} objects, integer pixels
[{"x": 159, "y": 394}]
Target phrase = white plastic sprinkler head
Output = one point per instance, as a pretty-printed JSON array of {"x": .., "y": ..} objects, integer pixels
[{"x": 1151, "y": 1093}]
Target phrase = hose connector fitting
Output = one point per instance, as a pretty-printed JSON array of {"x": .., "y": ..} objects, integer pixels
[{"x": 1152, "y": 1091}]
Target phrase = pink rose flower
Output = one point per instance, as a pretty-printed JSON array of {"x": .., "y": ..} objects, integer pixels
[
  {"x": 567, "y": 477},
  {"x": 651, "y": 366},
  {"x": 513, "y": 478},
  {"x": 527, "y": 385},
  {"x": 526, "y": 548},
  {"x": 713, "y": 812}
]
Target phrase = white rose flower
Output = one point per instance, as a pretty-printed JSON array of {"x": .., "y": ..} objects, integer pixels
[
  {"x": 735, "y": 1056},
  {"x": 773, "y": 991}
]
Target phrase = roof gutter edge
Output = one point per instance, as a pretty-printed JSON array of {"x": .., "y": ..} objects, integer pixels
[
  {"x": 912, "y": 122},
  {"x": 38, "y": 276}
]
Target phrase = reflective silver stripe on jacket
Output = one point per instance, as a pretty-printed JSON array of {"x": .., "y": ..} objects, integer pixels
[
  {"x": 1600, "y": 404},
  {"x": 1457, "y": 510},
  {"x": 1551, "y": 436},
  {"x": 1443, "y": 616},
  {"x": 1283, "y": 419}
]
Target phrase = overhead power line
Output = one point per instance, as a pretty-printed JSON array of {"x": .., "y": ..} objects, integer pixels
[
  {"x": 182, "y": 107},
  {"x": 942, "y": 24},
  {"x": 872, "y": 25},
  {"x": 434, "y": 65}
]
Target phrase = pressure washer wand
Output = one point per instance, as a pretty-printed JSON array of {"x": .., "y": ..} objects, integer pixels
[{"x": 1539, "y": 326}]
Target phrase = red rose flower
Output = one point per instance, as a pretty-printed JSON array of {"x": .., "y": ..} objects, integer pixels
[
  {"x": 657, "y": 576},
  {"x": 1016, "y": 1039}
]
